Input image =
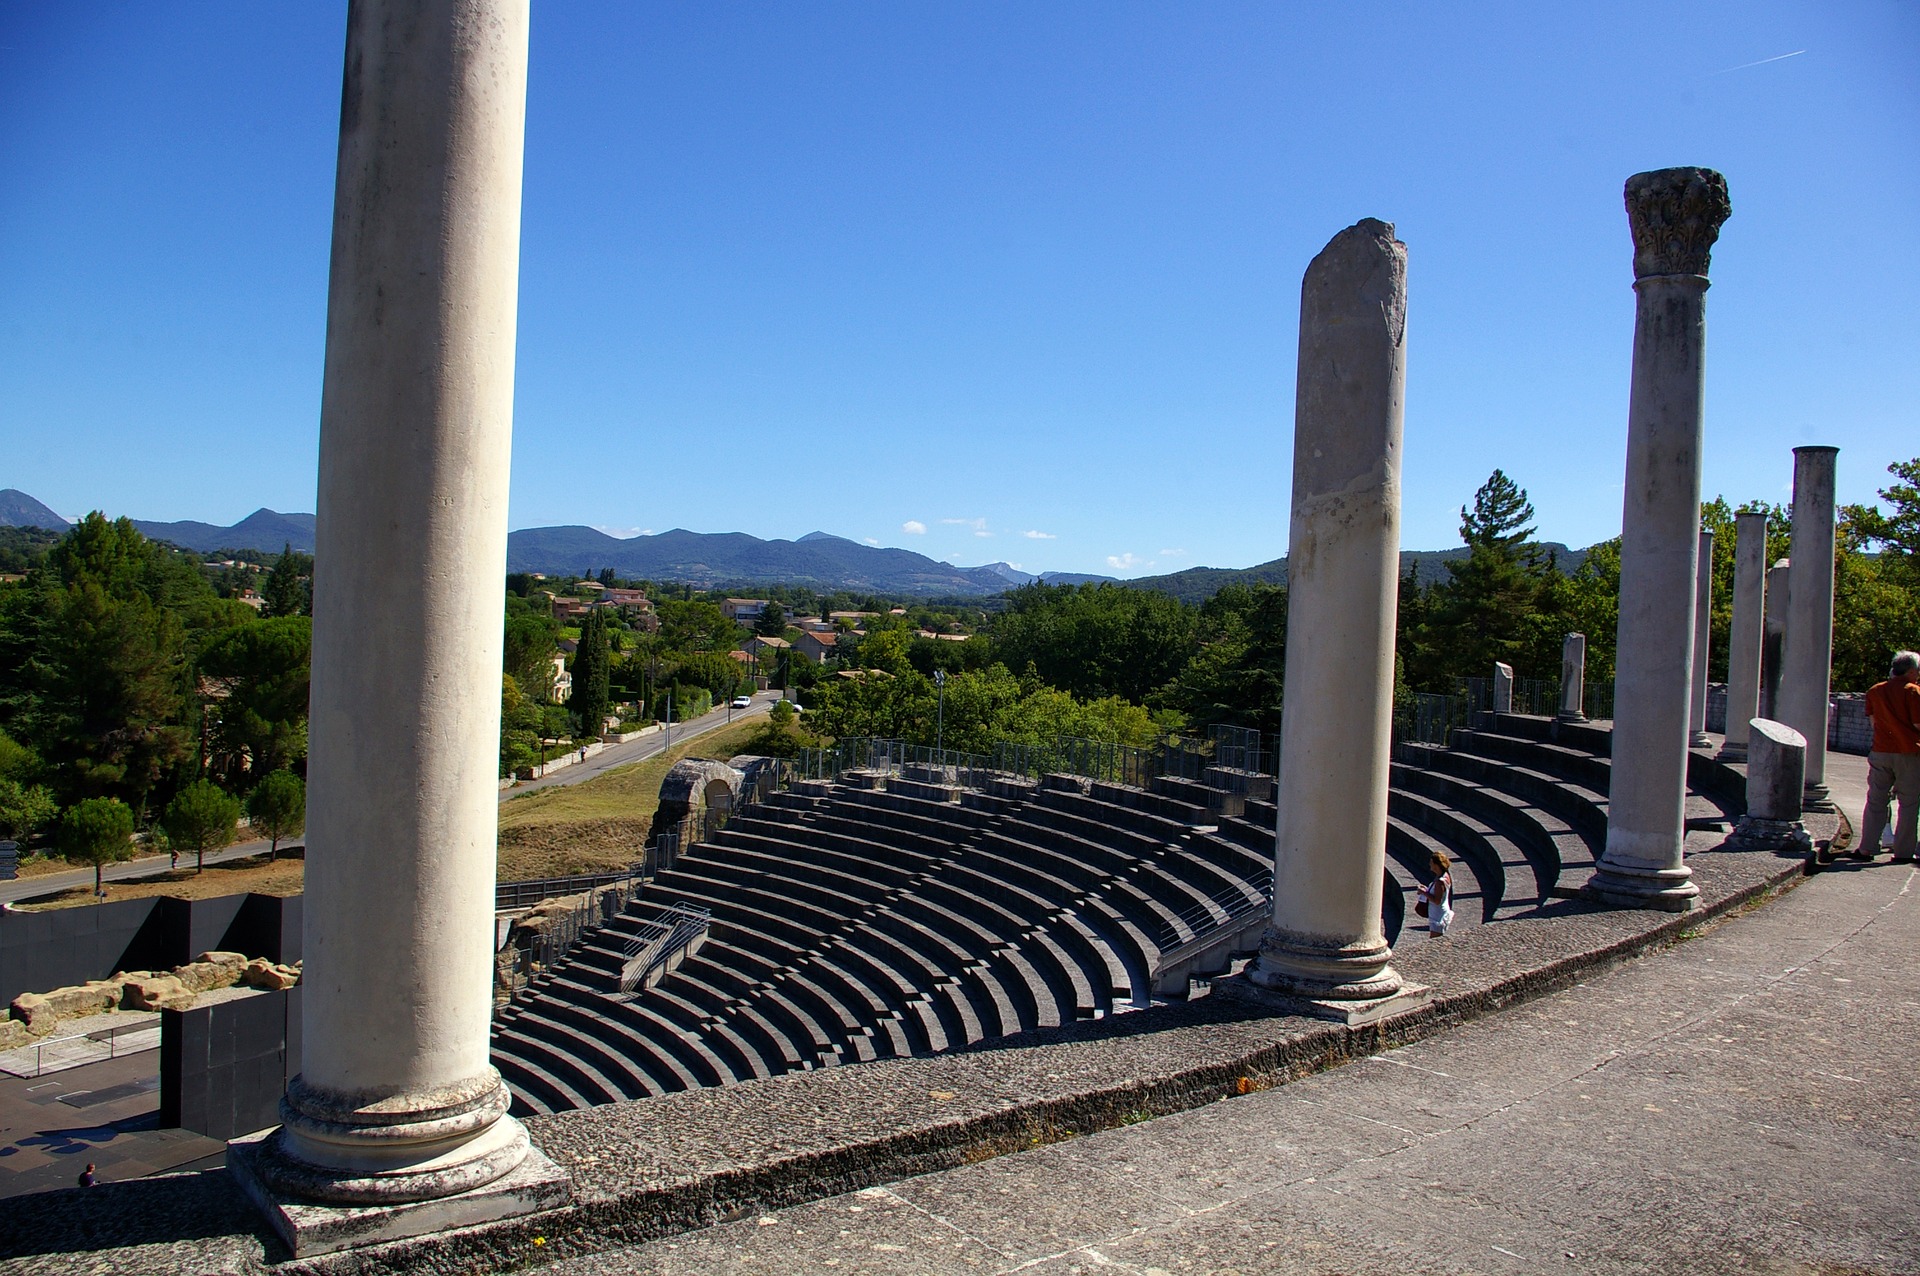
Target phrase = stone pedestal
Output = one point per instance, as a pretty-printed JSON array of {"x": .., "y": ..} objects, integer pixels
[
  {"x": 1744, "y": 635},
  {"x": 1502, "y": 687},
  {"x": 397, "y": 1100},
  {"x": 1573, "y": 678},
  {"x": 1325, "y": 942},
  {"x": 1675, "y": 216},
  {"x": 1806, "y": 675},
  {"x": 1776, "y": 761},
  {"x": 1773, "y": 637},
  {"x": 1702, "y": 644}
]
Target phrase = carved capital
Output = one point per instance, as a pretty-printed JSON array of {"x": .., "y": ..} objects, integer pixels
[{"x": 1675, "y": 215}]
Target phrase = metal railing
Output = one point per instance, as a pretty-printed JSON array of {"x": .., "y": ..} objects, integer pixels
[
  {"x": 660, "y": 940},
  {"x": 521, "y": 894},
  {"x": 73, "y": 1055},
  {"x": 600, "y": 904},
  {"x": 1228, "y": 909}
]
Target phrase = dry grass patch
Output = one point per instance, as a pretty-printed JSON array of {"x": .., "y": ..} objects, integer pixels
[
  {"x": 255, "y": 874},
  {"x": 601, "y": 824}
]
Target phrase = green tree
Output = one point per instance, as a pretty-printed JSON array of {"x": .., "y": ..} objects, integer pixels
[
  {"x": 772, "y": 622},
  {"x": 97, "y": 831},
  {"x": 278, "y": 807},
  {"x": 202, "y": 817},
  {"x": 1238, "y": 670},
  {"x": 592, "y": 665},
  {"x": 1486, "y": 610},
  {"x": 25, "y": 809},
  {"x": 1095, "y": 640},
  {"x": 288, "y": 590},
  {"x": 531, "y": 636},
  {"x": 260, "y": 675}
]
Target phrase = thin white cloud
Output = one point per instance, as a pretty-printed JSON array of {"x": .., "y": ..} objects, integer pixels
[
  {"x": 1172, "y": 553},
  {"x": 623, "y": 533},
  {"x": 914, "y": 527},
  {"x": 1122, "y": 562},
  {"x": 977, "y": 524},
  {"x": 981, "y": 531},
  {"x": 872, "y": 540},
  {"x": 1039, "y": 536}
]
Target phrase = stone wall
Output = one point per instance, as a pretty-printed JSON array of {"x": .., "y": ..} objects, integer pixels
[{"x": 1849, "y": 730}]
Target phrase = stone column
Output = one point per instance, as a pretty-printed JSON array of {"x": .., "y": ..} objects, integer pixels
[
  {"x": 396, "y": 1100},
  {"x": 1573, "y": 678},
  {"x": 1675, "y": 215},
  {"x": 1807, "y": 665},
  {"x": 1773, "y": 643},
  {"x": 1502, "y": 687},
  {"x": 1776, "y": 770},
  {"x": 1325, "y": 944},
  {"x": 1743, "y": 636},
  {"x": 1702, "y": 643}
]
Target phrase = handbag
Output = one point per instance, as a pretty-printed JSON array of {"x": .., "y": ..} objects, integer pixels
[{"x": 1420, "y": 905}]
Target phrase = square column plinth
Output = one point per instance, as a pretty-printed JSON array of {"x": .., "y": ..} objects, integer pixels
[{"x": 535, "y": 1184}]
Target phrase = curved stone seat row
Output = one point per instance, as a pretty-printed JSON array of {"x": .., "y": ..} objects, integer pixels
[{"x": 857, "y": 922}]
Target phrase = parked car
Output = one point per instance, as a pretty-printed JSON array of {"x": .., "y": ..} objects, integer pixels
[{"x": 743, "y": 702}]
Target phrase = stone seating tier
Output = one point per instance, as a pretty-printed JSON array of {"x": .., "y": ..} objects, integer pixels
[{"x": 867, "y": 922}]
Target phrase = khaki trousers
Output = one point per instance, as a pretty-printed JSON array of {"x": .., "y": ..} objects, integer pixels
[{"x": 1890, "y": 777}]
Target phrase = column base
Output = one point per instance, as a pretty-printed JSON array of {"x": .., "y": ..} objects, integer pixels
[
  {"x": 1757, "y": 833},
  {"x": 1700, "y": 740},
  {"x": 260, "y": 1167},
  {"x": 1669, "y": 890},
  {"x": 1731, "y": 752},
  {"x": 1814, "y": 797},
  {"x": 1305, "y": 966},
  {"x": 1565, "y": 716},
  {"x": 1352, "y": 1013}
]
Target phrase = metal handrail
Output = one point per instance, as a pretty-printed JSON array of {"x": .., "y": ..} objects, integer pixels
[
  {"x": 662, "y": 938},
  {"x": 111, "y": 1035},
  {"x": 1205, "y": 920}
]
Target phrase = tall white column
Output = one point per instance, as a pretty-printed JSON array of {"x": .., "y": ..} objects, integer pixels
[
  {"x": 1773, "y": 642},
  {"x": 1702, "y": 643},
  {"x": 1744, "y": 634},
  {"x": 1573, "y": 678},
  {"x": 396, "y": 1100},
  {"x": 1675, "y": 215},
  {"x": 1807, "y": 667},
  {"x": 1326, "y": 941}
]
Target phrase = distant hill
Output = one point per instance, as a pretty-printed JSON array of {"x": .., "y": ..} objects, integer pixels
[
  {"x": 1197, "y": 584},
  {"x": 712, "y": 560},
  {"x": 17, "y": 509},
  {"x": 264, "y": 530}
]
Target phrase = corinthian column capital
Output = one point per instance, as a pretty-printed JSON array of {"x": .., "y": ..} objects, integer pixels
[{"x": 1675, "y": 215}]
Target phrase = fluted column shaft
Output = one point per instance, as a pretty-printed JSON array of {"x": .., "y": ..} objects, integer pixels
[
  {"x": 1326, "y": 940},
  {"x": 1807, "y": 667},
  {"x": 1675, "y": 216},
  {"x": 1744, "y": 634},
  {"x": 397, "y": 1099}
]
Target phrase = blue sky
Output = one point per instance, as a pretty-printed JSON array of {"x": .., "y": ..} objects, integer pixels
[{"x": 1022, "y": 277}]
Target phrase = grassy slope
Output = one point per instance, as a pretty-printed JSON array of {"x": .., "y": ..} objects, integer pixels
[{"x": 577, "y": 828}]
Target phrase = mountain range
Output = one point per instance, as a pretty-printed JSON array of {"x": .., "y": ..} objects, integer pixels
[{"x": 730, "y": 560}]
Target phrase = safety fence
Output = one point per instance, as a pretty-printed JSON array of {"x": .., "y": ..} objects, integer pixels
[{"x": 1435, "y": 714}]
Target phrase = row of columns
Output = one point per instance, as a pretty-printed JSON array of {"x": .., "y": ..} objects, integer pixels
[{"x": 397, "y": 1100}]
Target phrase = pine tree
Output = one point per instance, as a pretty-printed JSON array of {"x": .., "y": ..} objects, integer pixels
[
  {"x": 286, "y": 592},
  {"x": 592, "y": 670}
]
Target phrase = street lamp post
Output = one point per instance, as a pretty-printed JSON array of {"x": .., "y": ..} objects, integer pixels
[{"x": 940, "y": 715}]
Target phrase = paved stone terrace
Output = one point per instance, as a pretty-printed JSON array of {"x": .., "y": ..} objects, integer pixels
[
  {"x": 1744, "y": 1103},
  {"x": 655, "y": 1170}
]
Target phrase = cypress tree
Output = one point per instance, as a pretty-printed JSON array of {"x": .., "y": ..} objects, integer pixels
[{"x": 592, "y": 669}]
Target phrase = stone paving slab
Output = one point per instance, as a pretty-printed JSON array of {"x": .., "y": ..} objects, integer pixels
[{"x": 658, "y": 1168}]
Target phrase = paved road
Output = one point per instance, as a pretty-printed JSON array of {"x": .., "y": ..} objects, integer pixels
[
  {"x": 617, "y": 756},
  {"x": 639, "y": 750},
  {"x": 1745, "y": 1103}
]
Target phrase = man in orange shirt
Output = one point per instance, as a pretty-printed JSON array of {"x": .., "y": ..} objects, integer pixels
[{"x": 1893, "y": 768}]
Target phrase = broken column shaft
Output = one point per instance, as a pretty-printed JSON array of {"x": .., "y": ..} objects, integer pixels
[{"x": 1326, "y": 940}]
